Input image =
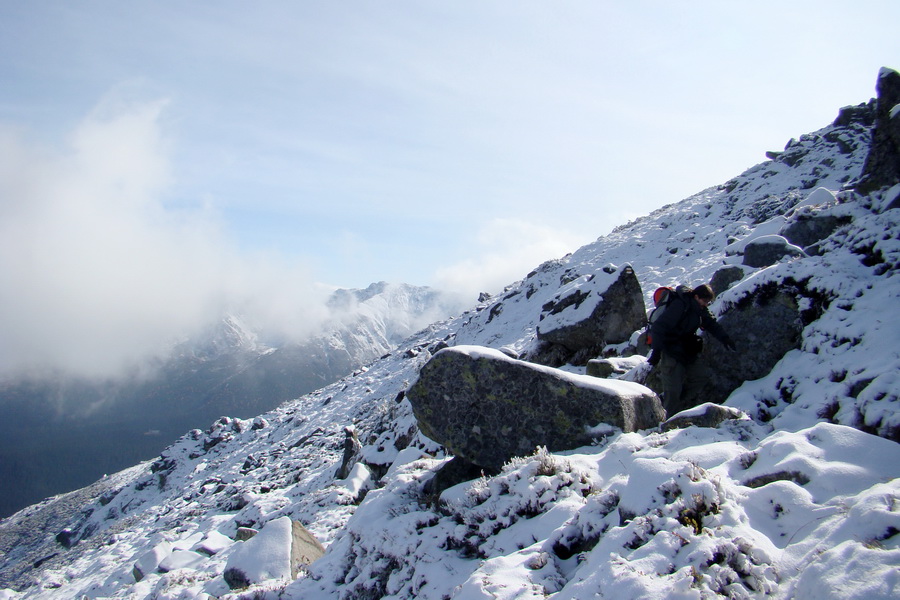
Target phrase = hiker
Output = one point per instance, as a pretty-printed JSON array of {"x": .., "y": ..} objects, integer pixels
[{"x": 676, "y": 345}]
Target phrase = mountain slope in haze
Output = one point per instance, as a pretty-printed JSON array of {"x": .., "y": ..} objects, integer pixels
[
  {"x": 798, "y": 500},
  {"x": 228, "y": 370}
]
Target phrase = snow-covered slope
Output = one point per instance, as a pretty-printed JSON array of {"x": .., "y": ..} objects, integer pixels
[{"x": 798, "y": 500}]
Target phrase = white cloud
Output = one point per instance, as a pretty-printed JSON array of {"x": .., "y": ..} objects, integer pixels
[
  {"x": 503, "y": 251},
  {"x": 97, "y": 273}
]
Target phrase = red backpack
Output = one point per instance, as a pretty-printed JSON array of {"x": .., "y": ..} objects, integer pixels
[{"x": 661, "y": 298}]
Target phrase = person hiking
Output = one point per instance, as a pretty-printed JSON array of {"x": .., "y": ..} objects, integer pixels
[{"x": 676, "y": 345}]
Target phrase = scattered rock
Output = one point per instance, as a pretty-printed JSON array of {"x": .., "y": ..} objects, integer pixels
[
  {"x": 600, "y": 367},
  {"x": 509, "y": 351},
  {"x": 465, "y": 395},
  {"x": 797, "y": 477},
  {"x": 67, "y": 538},
  {"x": 359, "y": 481},
  {"x": 892, "y": 198},
  {"x": 213, "y": 543},
  {"x": 864, "y": 114}
]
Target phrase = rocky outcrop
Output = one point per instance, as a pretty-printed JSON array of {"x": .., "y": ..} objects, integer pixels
[
  {"x": 488, "y": 408},
  {"x": 882, "y": 166},
  {"x": 594, "y": 310},
  {"x": 767, "y": 250}
]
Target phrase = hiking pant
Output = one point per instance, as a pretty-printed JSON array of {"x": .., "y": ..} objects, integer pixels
[{"x": 681, "y": 383}]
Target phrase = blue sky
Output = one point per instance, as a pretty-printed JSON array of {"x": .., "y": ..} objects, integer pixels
[{"x": 207, "y": 149}]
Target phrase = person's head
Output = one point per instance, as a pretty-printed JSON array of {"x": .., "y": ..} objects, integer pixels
[{"x": 704, "y": 294}]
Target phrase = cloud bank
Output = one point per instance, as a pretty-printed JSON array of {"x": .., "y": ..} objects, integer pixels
[
  {"x": 100, "y": 269},
  {"x": 502, "y": 251}
]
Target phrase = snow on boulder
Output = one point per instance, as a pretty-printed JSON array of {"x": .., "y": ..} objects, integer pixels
[
  {"x": 827, "y": 460},
  {"x": 770, "y": 227},
  {"x": 767, "y": 250},
  {"x": 276, "y": 553},
  {"x": 616, "y": 365},
  {"x": 213, "y": 543},
  {"x": 487, "y": 408},
  {"x": 704, "y": 415},
  {"x": 181, "y": 559},
  {"x": 594, "y": 310},
  {"x": 149, "y": 561},
  {"x": 819, "y": 197},
  {"x": 359, "y": 481},
  {"x": 812, "y": 220}
]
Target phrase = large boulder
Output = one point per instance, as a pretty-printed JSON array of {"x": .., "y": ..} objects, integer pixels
[
  {"x": 594, "y": 310},
  {"x": 487, "y": 408},
  {"x": 765, "y": 325}
]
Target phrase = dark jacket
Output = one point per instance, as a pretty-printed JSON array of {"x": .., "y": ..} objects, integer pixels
[{"x": 674, "y": 331}]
